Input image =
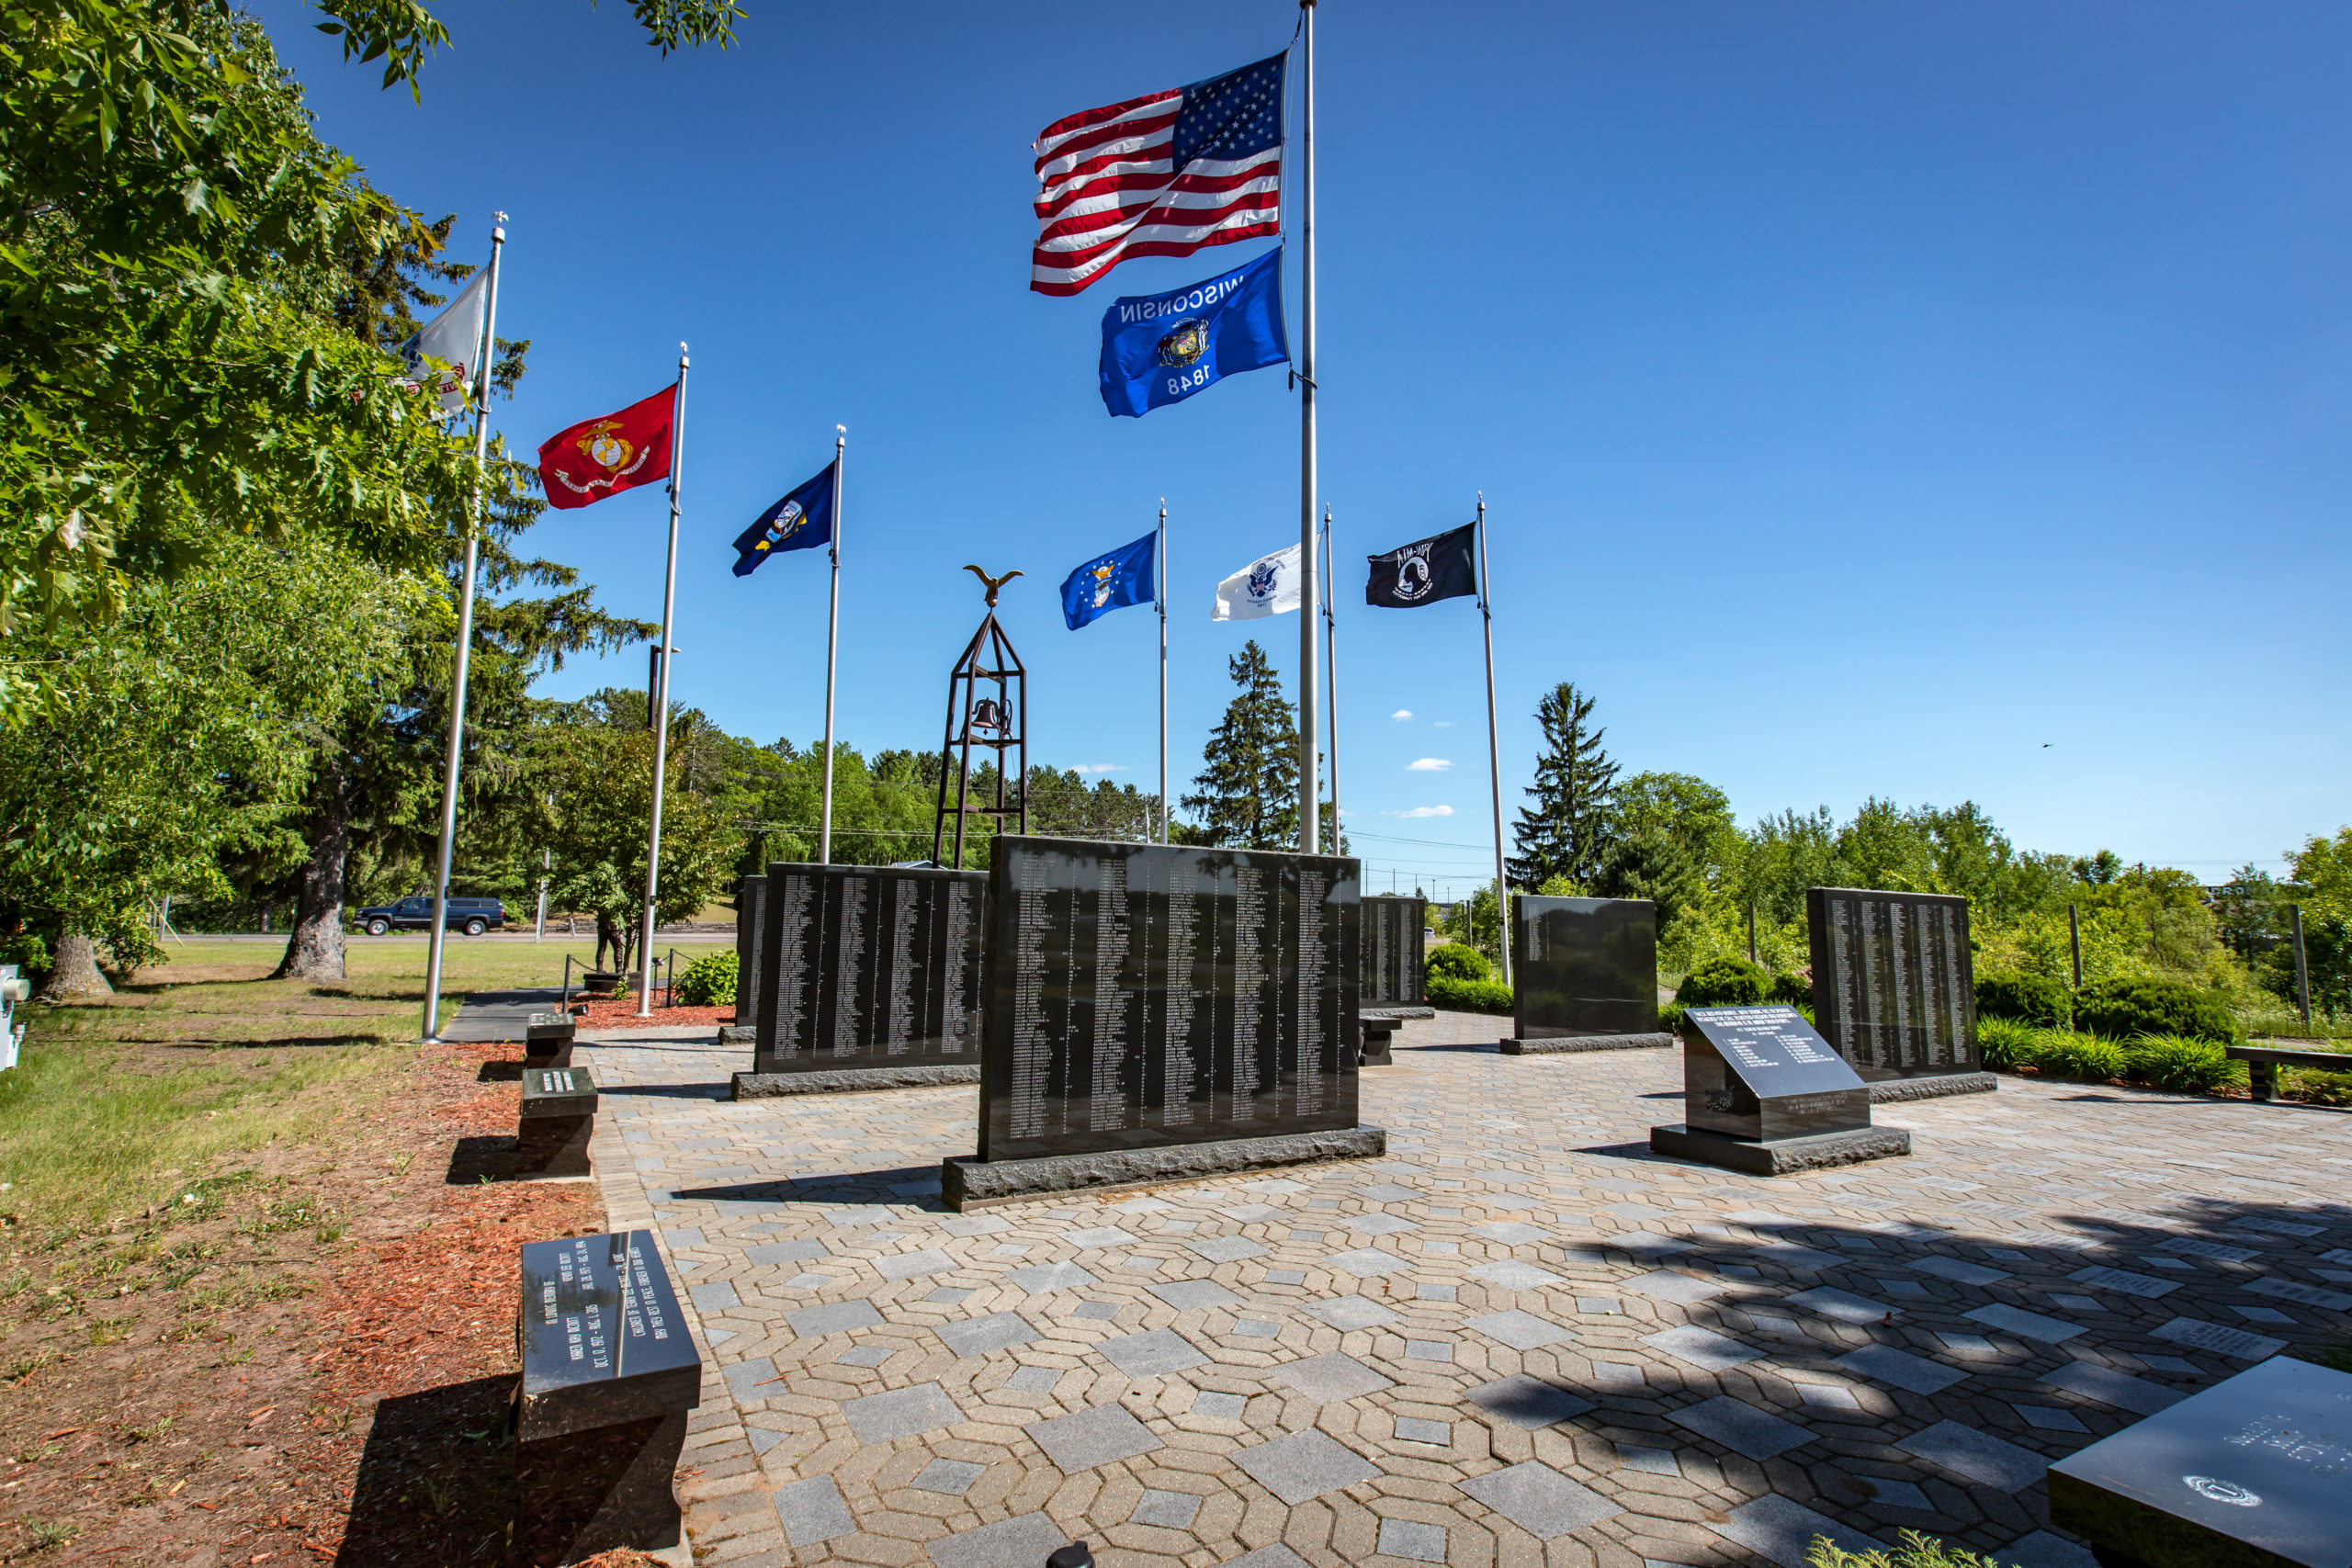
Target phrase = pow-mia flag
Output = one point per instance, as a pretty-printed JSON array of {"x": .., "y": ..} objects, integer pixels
[
  {"x": 801, "y": 521},
  {"x": 1424, "y": 571},
  {"x": 1161, "y": 348}
]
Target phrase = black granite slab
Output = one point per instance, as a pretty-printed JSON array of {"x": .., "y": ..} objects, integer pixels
[
  {"x": 750, "y": 910},
  {"x": 1144, "y": 995},
  {"x": 559, "y": 1091},
  {"x": 1390, "y": 946},
  {"x": 1761, "y": 1073},
  {"x": 557, "y": 1122},
  {"x": 2257, "y": 1469},
  {"x": 547, "y": 1039},
  {"x": 868, "y": 966},
  {"x": 601, "y": 1336},
  {"x": 1893, "y": 985},
  {"x": 1583, "y": 966}
]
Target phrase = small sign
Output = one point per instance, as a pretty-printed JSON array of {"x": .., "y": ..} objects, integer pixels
[
  {"x": 1761, "y": 1073},
  {"x": 602, "y": 1337}
]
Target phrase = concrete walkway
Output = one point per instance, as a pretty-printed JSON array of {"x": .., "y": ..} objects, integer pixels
[{"x": 1519, "y": 1339}]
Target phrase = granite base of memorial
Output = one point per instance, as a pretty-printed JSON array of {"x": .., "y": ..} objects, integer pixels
[
  {"x": 609, "y": 1371},
  {"x": 739, "y": 1034},
  {"x": 1549, "y": 1045},
  {"x": 1934, "y": 1086},
  {"x": 547, "y": 1039},
  {"x": 558, "y": 1118},
  {"x": 1763, "y": 1094},
  {"x": 970, "y": 1182},
  {"x": 850, "y": 1081},
  {"x": 2248, "y": 1473}
]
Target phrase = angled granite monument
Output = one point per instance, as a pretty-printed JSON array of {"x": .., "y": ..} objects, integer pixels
[
  {"x": 1895, "y": 990},
  {"x": 1156, "y": 1013},
  {"x": 870, "y": 977},
  {"x": 1584, "y": 975},
  {"x": 1763, "y": 1093}
]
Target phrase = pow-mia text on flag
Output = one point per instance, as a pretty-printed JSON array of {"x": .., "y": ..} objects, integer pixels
[
  {"x": 1161, "y": 348},
  {"x": 1424, "y": 571},
  {"x": 1109, "y": 582},
  {"x": 801, "y": 521}
]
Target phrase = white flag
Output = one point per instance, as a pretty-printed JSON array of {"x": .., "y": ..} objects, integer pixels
[
  {"x": 453, "y": 335},
  {"x": 1267, "y": 586}
]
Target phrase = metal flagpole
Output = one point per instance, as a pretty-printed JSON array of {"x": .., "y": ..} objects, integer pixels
[
  {"x": 1310, "y": 791},
  {"x": 832, "y": 641},
  {"x": 1160, "y": 582},
  {"x": 1331, "y": 676},
  {"x": 661, "y": 705},
  {"x": 464, "y": 650},
  {"x": 1493, "y": 751}
]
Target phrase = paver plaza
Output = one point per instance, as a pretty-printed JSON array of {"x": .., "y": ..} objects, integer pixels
[{"x": 1520, "y": 1339}]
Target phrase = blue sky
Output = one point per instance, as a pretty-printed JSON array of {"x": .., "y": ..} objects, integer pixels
[{"x": 1941, "y": 403}]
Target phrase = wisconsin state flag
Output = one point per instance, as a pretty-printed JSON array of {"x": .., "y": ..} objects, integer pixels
[{"x": 598, "y": 457}]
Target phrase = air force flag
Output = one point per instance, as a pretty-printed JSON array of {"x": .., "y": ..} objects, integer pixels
[
  {"x": 801, "y": 521},
  {"x": 1161, "y": 348},
  {"x": 1109, "y": 582}
]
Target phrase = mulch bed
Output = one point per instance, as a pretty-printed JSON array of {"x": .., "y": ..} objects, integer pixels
[{"x": 620, "y": 1013}]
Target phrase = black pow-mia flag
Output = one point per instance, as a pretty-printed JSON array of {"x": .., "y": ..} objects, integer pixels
[{"x": 1424, "y": 571}]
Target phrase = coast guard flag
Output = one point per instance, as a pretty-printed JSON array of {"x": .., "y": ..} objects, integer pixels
[
  {"x": 455, "y": 336},
  {"x": 1161, "y": 348},
  {"x": 1160, "y": 175},
  {"x": 1424, "y": 571},
  {"x": 1109, "y": 582},
  {"x": 801, "y": 521},
  {"x": 1267, "y": 586}
]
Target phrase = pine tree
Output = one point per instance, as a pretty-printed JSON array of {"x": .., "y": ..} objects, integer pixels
[
  {"x": 1575, "y": 787},
  {"x": 1247, "y": 795}
]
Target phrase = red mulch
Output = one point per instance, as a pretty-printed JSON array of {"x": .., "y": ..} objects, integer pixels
[{"x": 620, "y": 1013}]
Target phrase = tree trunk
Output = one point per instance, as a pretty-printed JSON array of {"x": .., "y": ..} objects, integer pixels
[
  {"x": 76, "y": 975},
  {"x": 315, "y": 950}
]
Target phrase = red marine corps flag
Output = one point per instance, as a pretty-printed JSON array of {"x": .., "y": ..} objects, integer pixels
[{"x": 598, "y": 457}]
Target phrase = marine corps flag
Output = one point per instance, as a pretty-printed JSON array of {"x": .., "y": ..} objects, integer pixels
[
  {"x": 1424, "y": 571},
  {"x": 598, "y": 457}
]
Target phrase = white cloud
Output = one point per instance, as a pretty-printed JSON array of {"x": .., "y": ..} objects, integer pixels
[
  {"x": 1445, "y": 724},
  {"x": 1100, "y": 768},
  {"x": 1428, "y": 765},
  {"x": 1402, "y": 714},
  {"x": 1423, "y": 811}
]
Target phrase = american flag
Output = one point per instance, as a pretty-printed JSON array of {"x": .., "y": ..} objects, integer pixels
[{"x": 1162, "y": 175}]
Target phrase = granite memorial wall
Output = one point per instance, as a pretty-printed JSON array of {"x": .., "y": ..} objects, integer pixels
[
  {"x": 750, "y": 949},
  {"x": 1146, "y": 996},
  {"x": 1583, "y": 966},
  {"x": 1894, "y": 988},
  {"x": 868, "y": 968},
  {"x": 1391, "y": 947}
]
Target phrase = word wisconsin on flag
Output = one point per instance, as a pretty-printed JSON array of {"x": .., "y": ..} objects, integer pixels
[
  {"x": 1161, "y": 176},
  {"x": 1424, "y": 571},
  {"x": 801, "y": 521},
  {"x": 1161, "y": 348},
  {"x": 1267, "y": 586},
  {"x": 598, "y": 457},
  {"x": 1109, "y": 582},
  {"x": 452, "y": 337}
]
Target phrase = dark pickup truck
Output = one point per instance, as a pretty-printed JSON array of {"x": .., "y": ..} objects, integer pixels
[{"x": 472, "y": 916}]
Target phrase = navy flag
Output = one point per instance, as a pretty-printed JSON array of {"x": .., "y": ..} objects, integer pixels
[
  {"x": 1161, "y": 348},
  {"x": 801, "y": 521},
  {"x": 1109, "y": 582},
  {"x": 1424, "y": 571}
]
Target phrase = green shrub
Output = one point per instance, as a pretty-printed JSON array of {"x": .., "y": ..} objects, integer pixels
[
  {"x": 2176, "y": 1062},
  {"x": 2084, "y": 1056},
  {"x": 2123, "y": 1006},
  {"x": 1912, "y": 1551},
  {"x": 1456, "y": 961},
  {"x": 2030, "y": 999},
  {"x": 2318, "y": 1088},
  {"x": 1458, "y": 995},
  {"x": 2007, "y": 1044},
  {"x": 1725, "y": 980},
  {"x": 1793, "y": 987},
  {"x": 1669, "y": 1017},
  {"x": 708, "y": 981}
]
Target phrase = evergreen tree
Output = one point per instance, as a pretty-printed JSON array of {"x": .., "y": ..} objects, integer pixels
[
  {"x": 1656, "y": 865},
  {"x": 1575, "y": 792},
  {"x": 1247, "y": 795}
]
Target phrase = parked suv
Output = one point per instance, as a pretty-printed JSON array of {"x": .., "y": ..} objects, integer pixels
[{"x": 473, "y": 916}]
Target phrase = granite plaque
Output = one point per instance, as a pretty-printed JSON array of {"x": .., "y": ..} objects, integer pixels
[
  {"x": 558, "y": 1122},
  {"x": 751, "y": 902},
  {"x": 2256, "y": 1470},
  {"x": 1142, "y": 995},
  {"x": 547, "y": 1038},
  {"x": 1894, "y": 990},
  {"x": 1759, "y": 1073},
  {"x": 868, "y": 966},
  {"x": 1583, "y": 966},
  {"x": 1391, "y": 945}
]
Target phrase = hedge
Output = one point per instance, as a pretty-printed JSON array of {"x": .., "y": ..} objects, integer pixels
[
  {"x": 709, "y": 982},
  {"x": 2125, "y": 1007},
  {"x": 2028, "y": 999},
  {"x": 1456, "y": 961},
  {"x": 1468, "y": 996},
  {"x": 1726, "y": 981}
]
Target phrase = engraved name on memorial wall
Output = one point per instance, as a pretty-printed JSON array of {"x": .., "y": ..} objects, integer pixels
[
  {"x": 869, "y": 966},
  {"x": 1894, "y": 986},
  {"x": 1142, "y": 995}
]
